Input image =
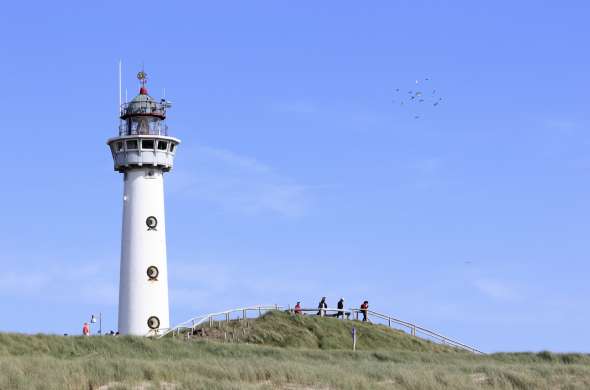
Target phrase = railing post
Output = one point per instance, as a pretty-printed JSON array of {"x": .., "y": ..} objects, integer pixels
[
  {"x": 244, "y": 313},
  {"x": 389, "y": 321},
  {"x": 210, "y": 322}
]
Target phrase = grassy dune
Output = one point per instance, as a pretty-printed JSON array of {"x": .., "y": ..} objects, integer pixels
[
  {"x": 277, "y": 352},
  {"x": 283, "y": 330}
]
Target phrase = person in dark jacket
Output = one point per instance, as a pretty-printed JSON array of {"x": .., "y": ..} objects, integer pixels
[
  {"x": 340, "y": 306},
  {"x": 322, "y": 306}
]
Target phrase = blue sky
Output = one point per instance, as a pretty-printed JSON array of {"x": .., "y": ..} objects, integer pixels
[{"x": 298, "y": 176}]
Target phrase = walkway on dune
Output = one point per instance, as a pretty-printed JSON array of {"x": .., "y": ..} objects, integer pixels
[{"x": 257, "y": 311}]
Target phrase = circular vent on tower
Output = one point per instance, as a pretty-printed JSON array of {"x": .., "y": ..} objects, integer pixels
[
  {"x": 151, "y": 222},
  {"x": 153, "y": 322},
  {"x": 153, "y": 272}
]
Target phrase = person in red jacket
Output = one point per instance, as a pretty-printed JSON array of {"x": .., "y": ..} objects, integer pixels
[
  {"x": 86, "y": 329},
  {"x": 364, "y": 310},
  {"x": 298, "y": 308}
]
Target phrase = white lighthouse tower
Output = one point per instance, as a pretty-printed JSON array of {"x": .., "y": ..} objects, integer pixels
[{"x": 142, "y": 152}]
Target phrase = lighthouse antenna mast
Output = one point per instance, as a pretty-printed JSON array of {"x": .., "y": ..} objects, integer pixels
[{"x": 120, "y": 97}]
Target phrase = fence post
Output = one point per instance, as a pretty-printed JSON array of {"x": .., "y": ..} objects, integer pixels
[
  {"x": 259, "y": 311},
  {"x": 389, "y": 319},
  {"x": 244, "y": 313},
  {"x": 210, "y": 322}
]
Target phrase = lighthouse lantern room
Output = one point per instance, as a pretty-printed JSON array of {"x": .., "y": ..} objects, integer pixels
[{"x": 143, "y": 152}]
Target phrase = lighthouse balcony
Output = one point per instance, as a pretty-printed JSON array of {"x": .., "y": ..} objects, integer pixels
[{"x": 143, "y": 151}]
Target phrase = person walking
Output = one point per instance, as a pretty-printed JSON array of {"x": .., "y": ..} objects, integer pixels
[
  {"x": 340, "y": 306},
  {"x": 365, "y": 310},
  {"x": 298, "y": 308},
  {"x": 86, "y": 329},
  {"x": 322, "y": 306}
]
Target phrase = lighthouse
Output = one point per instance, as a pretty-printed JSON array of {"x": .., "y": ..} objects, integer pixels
[{"x": 143, "y": 152}]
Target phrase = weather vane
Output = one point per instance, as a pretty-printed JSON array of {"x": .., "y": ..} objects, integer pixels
[{"x": 142, "y": 77}]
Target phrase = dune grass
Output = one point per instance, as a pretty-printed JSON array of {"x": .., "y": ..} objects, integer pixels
[
  {"x": 290, "y": 331},
  {"x": 278, "y": 352}
]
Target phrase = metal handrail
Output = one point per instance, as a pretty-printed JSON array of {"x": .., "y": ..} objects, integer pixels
[
  {"x": 144, "y": 107},
  {"x": 413, "y": 328},
  {"x": 161, "y": 130},
  {"x": 198, "y": 320},
  {"x": 420, "y": 329}
]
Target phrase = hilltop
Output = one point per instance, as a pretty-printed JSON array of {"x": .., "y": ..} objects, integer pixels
[
  {"x": 280, "y": 329},
  {"x": 276, "y": 351}
]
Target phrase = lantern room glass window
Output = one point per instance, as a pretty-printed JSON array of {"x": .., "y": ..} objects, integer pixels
[
  {"x": 143, "y": 125},
  {"x": 143, "y": 117}
]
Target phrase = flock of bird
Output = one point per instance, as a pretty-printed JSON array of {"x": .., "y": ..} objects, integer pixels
[{"x": 422, "y": 97}]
